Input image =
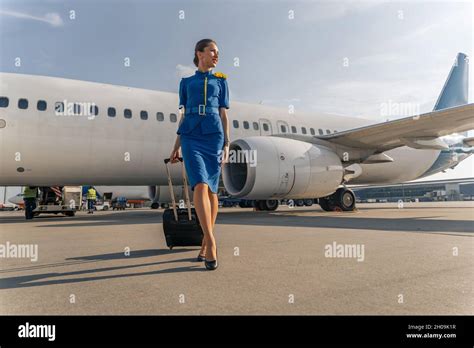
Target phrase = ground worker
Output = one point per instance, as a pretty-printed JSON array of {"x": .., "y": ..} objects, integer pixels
[
  {"x": 30, "y": 194},
  {"x": 91, "y": 198}
]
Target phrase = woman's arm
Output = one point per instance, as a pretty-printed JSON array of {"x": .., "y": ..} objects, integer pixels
[
  {"x": 177, "y": 144},
  {"x": 225, "y": 124}
]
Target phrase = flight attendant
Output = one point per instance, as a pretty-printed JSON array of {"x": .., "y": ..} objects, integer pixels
[{"x": 203, "y": 136}]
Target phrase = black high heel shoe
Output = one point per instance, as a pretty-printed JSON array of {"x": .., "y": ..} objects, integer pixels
[
  {"x": 201, "y": 258},
  {"x": 211, "y": 265}
]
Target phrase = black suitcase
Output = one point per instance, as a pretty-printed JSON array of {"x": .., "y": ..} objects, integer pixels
[{"x": 181, "y": 225}]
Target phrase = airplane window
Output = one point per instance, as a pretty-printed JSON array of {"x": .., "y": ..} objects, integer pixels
[
  {"x": 335, "y": 131},
  {"x": 59, "y": 107},
  {"x": 127, "y": 113},
  {"x": 320, "y": 131},
  {"x": 160, "y": 116},
  {"x": 23, "y": 103},
  {"x": 173, "y": 117},
  {"x": 255, "y": 126},
  {"x": 235, "y": 123},
  {"x": 265, "y": 127},
  {"x": 312, "y": 131},
  {"x": 293, "y": 129},
  {"x": 144, "y": 115},
  {"x": 246, "y": 125},
  {"x": 41, "y": 105},
  {"x": 77, "y": 109},
  {"x": 283, "y": 128},
  {"x": 303, "y": 130},
  {"x": 3, "y": 102},
  {"x": 94, "y": 110},
  {"x": 111, "y": 112},
  {"x": 328, "y": 131}
]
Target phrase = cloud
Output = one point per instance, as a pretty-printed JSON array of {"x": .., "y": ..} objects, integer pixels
[
  {"x": 379, "y": 58},
  {"x": 185, "y": 70},
  {"x": 364, "y": 98},
  {"x": 439, "y": 23},
  {"x": 52, "y": 18},
  {"x": 325, "y": 10},
  {"x": 284, "y": 102}
]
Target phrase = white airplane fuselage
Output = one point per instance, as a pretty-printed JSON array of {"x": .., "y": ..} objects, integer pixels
[{"x": 43, "y": 149}]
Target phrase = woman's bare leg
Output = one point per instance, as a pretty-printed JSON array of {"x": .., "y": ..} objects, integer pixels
[
  {"x": 214, "y": 200},
  {"x": 214, "y": 207},
  {"x": 202, "y": 204}
]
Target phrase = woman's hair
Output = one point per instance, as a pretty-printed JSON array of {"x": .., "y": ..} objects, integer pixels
[{"x": 200, "y": 46}]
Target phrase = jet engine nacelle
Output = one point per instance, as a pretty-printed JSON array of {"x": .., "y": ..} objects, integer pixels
[
  {"x": 276, "y": 168},
  {"x": 162, "y": 194}
]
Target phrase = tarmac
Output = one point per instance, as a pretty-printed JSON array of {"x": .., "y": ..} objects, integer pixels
[{"x": 380, "y": 259}]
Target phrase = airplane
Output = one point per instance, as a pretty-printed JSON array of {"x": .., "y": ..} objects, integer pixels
[
  {"x": 56, "y": 132},
  {"x": 17, "y": 199}
]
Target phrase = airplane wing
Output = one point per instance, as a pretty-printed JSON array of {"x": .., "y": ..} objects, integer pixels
[{"x": 419, "y": 131}]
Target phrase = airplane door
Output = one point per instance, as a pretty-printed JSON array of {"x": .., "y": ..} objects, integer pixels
[
  {"x": 283, "y": 127},
  {"x": 265, "y": 126}
]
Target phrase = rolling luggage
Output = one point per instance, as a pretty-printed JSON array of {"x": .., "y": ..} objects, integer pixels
[{"x": 181, "y": 225}]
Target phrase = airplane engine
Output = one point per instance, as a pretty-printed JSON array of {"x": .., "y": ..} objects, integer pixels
[
  {"x": 162, "y": 194},
  {"x": 275, "y": 168}
]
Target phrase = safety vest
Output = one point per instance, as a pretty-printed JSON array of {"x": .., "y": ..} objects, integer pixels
[
  {"x": 91, "y": 194},
  {"x": 30, "y": 192}
]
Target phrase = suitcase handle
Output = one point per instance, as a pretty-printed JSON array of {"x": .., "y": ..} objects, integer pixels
[
  {"x": 166, "y": 160},
  {"x": 186, "y": 191}
]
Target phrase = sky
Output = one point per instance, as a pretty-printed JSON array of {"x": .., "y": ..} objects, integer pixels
[{"x": 337, "y": 57}]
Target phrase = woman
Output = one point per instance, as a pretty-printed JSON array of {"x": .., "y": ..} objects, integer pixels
[{"x": 203, "y": 136}]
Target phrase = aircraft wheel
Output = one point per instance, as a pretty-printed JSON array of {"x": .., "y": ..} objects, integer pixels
[
  {"x": 260, "y": 205},
  {"x": 270, "y": 205},
  {"x": 308, "y": 202},
  {"x": 345, "y": 199},
  {"x": 326, "y": 204},
  {"x": 299, "y": 202}
]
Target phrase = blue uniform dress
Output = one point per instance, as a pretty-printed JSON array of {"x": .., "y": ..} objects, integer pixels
[{"x": 201, "y": 132}]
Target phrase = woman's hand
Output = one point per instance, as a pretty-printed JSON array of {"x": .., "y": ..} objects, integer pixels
[
  {"x": 174, "y": 155},
  {"x": 225, "y": 154}
]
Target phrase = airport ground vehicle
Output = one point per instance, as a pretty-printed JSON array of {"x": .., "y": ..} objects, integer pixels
[
  {"x": 8, "y": 206},
  {"x": 105, "y": 205},
  {"x": 119, "y": 204},
  {"x": 67, "y": 203}
]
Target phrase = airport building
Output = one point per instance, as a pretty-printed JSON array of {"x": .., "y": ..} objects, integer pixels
[{"x": 423, "y": 191}]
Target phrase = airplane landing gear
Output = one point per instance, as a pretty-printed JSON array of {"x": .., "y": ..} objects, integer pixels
[
  {"x": 343, "y": 200},
  {"x": 268, "y": 205}
]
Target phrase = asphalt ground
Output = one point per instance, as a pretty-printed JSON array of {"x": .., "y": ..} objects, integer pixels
[{"x": 379, "y": 259}]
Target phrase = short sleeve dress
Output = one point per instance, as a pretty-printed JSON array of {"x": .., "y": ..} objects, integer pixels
[{"x": 202, "y": 135}]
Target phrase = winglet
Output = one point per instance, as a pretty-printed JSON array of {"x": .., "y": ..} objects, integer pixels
[{"x": 455, "y": 90}]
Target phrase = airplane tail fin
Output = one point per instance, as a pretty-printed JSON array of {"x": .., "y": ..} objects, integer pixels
[{"x": 455, "y": 90}]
